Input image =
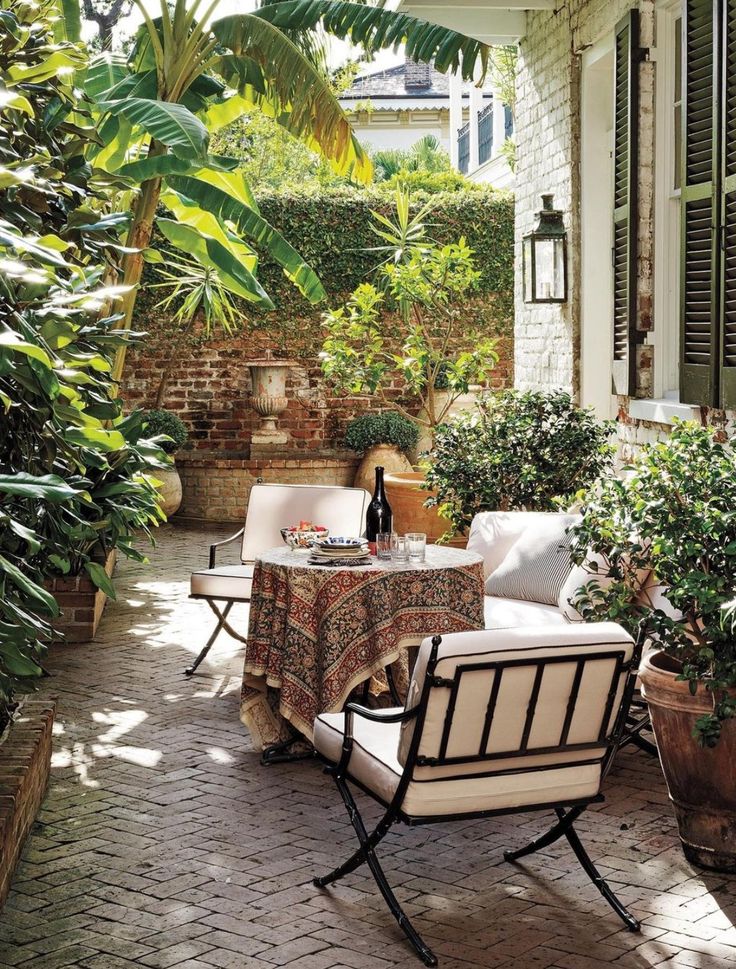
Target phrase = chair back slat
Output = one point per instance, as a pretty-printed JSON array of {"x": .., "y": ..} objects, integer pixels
[
  {"x": 518, "y": 700},
  {"x": 272, "y": 507}
]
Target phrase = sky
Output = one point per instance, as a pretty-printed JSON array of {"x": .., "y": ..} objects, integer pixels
[{"x": 340, "y": 51}]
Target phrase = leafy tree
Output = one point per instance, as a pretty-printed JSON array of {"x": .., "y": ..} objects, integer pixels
[
  {"x": 105, "y": 14},
  {"x": 159, "y": 108},
  {"x": 74, "y": 474},
  {"x": 432, "y": 350}
]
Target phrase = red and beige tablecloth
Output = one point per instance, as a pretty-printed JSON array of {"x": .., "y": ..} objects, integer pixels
[{"x": 315, "y": 633}]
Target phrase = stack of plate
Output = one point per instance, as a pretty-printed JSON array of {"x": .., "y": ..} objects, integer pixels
[{"x": 340, "y": 551}]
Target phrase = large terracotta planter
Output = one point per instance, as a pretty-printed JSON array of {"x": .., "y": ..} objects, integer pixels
[
  {"x": 701, "y": 781},
  {"x": 81, "y": 603},
  {"x": 385, "y": 456},
  {"x": 407, "y": 497}
]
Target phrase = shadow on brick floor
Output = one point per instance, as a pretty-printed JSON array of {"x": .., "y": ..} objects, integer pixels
[{"x": 162, "y": 841}]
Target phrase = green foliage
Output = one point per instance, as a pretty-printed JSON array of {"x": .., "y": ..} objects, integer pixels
[
  {"x": 73, "y": 472},
  {"x": 673, "y": 512},
  {"x": 530, "y": 451},
  {"x": 158, "y": 422},
  {"x": 425, "y": 155},
  {"x": 423, "y": 183},
  {"x": 428, "y": 282},
  {"x": 502, "y": 67},
  {"x": 388, "y": 427}
]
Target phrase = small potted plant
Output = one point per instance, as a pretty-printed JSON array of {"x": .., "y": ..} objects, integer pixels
[
  {"x": 674, "y": 513},
  {"x": 383, "y": 439},
  {"x": 170, "y": 435}
]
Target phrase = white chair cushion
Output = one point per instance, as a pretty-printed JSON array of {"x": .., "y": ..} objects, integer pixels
[
  {"x": 493, "y": 533},
  {"x": 491, "y": 646},
  {"x": 224, "y": 582},
  {"x": 272, "y": 507},
  {"x": 506, "y": 613},
  {"x": 374, "y": 764},
  {"x": 537, "y": 564}
]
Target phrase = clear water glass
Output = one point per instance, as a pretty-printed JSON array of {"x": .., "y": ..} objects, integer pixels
[
  {"x": 399, "y": 548},
  {"x": 383, "y": 545},
  {"x": 417, "y": 546}
]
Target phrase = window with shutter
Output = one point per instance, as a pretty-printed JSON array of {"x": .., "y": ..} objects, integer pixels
[
  {"x": 700, "y": 256},
  {"x": 728, "y": 210},
  {"x": 625, "y": 214}
]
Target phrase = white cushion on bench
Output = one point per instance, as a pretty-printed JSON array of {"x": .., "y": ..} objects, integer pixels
[{"x": 506, "y": 613}]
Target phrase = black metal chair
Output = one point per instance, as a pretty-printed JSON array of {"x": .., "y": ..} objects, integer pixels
[{"x": 496, "y": 722}]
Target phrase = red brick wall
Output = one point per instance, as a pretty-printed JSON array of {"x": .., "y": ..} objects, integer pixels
[
  {"x": 25, "y": 761},
  {"x": 210, "y": 387}
]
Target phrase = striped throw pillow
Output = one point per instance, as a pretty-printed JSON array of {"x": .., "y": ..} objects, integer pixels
[{"x": 537, "y": 564}]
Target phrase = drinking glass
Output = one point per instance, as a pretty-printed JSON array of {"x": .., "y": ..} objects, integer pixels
[
  {"x": 383, "y": 545},
  {"x": 399, "y": 548},
  {"x": 417, "y": 545}
]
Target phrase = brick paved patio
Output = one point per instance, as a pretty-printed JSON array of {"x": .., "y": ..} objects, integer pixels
[{"x": 163, "y": 843}]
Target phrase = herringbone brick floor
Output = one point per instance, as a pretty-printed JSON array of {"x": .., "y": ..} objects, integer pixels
[{"x": 162, "y": 842}]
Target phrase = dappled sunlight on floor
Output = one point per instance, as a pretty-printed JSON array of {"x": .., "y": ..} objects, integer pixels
[{"x": 163, "y": 842}]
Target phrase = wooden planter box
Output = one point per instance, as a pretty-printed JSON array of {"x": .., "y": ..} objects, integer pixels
[
  {"x": 25, "y": 762},
  {"x": 81, "y": 604}
]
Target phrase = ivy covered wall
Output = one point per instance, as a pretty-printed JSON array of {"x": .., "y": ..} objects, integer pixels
[{"x": 209, "y": 383}]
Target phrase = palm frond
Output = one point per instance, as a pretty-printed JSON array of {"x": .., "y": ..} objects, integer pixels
[{"x": 376, "y": 27}]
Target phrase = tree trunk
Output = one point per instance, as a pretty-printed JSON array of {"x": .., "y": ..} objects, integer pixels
[{"x": 139, "y": 237}]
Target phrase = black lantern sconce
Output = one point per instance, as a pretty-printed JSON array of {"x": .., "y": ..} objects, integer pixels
[{"x": 544, "y": 255}]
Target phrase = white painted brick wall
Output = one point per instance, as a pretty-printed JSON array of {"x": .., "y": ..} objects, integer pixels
[{"x": 547, "y": 337}]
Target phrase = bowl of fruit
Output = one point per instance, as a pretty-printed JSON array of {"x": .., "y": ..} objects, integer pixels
[{"x": 303, "y": 536}]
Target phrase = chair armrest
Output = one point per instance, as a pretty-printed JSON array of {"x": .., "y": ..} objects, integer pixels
[
  {"x": 381, "y": 716},
  {"x": 225, "y": 541},
  {"x": 378, "y": 716}
]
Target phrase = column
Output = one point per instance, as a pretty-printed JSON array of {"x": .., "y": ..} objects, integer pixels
[
  {"x": 499, "y": 123},
  {"x": 456, "y": 115},
  {"x": 476, "y": 106}
]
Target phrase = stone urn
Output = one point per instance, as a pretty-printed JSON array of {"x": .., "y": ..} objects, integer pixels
[
  {"x": 169, "y": 489},
  {"x": 380, "y": 455},
  {"x": 268, "y": 397}
]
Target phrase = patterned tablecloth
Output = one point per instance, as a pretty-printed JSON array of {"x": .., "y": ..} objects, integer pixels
[{"x": 316, "y": 632}]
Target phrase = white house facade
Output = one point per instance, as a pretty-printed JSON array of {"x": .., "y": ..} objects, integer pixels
[{"x": 626, "y": 112}]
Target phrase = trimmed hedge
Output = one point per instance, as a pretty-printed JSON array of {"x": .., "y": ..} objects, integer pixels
[{"x": 331, "y": 229}]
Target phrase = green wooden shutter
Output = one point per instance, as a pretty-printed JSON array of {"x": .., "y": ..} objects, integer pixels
[
  {"x": 728, "y": 210},
  {"x": 700, "y": 204},
  {"x": 625, "y": 207}
]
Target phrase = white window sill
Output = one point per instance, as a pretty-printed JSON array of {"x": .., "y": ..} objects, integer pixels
[{"x": 662, "y": 411}]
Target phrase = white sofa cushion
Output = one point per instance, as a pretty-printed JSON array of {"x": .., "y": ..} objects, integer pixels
[
  {"x": 374, "y": 764},
  {"x": 493, "y": 533},
  {"x": 506, "y": 613},
  {"x": 224, "y": 582},
  {"x": 538, "y": 562}
]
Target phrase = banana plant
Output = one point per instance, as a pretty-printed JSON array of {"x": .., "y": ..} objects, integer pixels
[{"x": 189, "y": 75}]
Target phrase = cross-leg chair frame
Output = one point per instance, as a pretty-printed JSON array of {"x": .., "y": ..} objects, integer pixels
[
  {"x": 222, "y": 623},
  {"x": 567, "y": 814}
]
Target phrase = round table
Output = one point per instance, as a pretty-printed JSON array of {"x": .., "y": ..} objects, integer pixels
[{"x": 317, "y": 632}]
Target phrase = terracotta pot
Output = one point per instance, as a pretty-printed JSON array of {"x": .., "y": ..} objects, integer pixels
[
  {"x": 170, "y": 490},
  {"x": 407, "y": 498},
  {"x": 386, "y": 456},
  {"x": 701, "y": 781}
]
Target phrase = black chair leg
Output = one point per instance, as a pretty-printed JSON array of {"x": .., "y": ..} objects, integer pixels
[
  {"x": 222, "y": 623},
  {"x": 543, "y": 841},
  {"x": 367, "y": 854},
  {"x": 598, "y": 880}
]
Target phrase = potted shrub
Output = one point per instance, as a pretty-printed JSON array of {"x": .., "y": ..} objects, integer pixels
[
  {"x": 170, "y": 434},
  {"x": 425, "y": 343},
  {"x": 383, "y": 439},
  {"x": 530, "y": 450},
  {"x": 674, "y": 513}
]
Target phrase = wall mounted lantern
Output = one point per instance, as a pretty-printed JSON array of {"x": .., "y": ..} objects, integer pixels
[{"x": 544, "y": 255}]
